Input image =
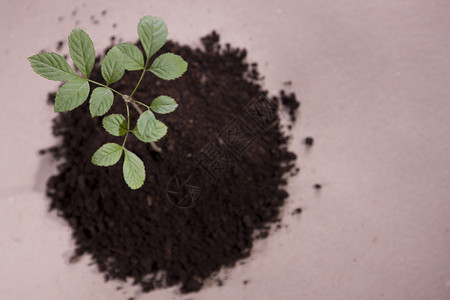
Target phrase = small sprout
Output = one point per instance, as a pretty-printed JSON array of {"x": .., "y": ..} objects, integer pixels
[{"x": 152, "y": 33}]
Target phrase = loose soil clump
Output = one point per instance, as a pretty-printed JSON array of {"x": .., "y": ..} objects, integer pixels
[{"x": 226, "y": 129}]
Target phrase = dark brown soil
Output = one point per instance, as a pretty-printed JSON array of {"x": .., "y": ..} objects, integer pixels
[{"x": 222, "y": 110}]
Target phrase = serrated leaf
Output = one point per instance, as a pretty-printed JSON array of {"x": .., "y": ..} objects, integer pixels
[
  {"x": 132, "y": 56},
  {"x": 72, "y": 94},
  {"x": 82, "y": 51},
  {"x": 107, "y": 155},
  {"x": 133, "y": 170},
  {"x": 101, "y": 101},
  {"x": 146, "y": 122},
  {"x": 158, "y": 132},
  {"x": 113, "y": 66},
  {"x": 168, "y": 66},
  {"x": 52, "y": 66},
  {"x": 115, "y": 124},
  {"x": 163, "y": 105},
  {"x": 153, "y": 33}
]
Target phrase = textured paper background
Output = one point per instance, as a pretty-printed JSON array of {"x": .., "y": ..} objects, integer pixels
[{"x": 374, "y": 81}]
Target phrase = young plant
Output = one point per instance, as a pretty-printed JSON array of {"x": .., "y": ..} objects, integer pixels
[{"x": 152, "y": 33}]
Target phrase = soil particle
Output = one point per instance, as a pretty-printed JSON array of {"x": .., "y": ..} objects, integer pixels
[
  {"x": 309, "y": 141},
  {"x": 59, "y": 45},
  {"x": 297, "y": 211},
  {"x": 140, "y": 234},
  {"x": 291, "y": 104}
]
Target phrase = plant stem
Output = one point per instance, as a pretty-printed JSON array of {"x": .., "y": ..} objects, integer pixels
[
  {"x": 136, "y": 107},
  {"x": 128, "y": 125},
  {"x": 143, "y": 104},
  {"x": 139, "y": 110},
  {"x": 128, "y": 116},
  {"x": 139, "y": 82},
  {"x": 125, "y": 139},
  {"x": 101, "y": 84}
]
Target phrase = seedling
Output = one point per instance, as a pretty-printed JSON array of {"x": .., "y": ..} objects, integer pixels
[{"x": 152, "y": 33}]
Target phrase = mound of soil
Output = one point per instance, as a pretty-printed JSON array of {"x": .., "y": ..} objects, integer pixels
[{"x": 226, "y": 131}]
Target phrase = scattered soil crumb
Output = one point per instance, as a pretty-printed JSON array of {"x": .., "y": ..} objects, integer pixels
[
  {"x": 290, "y": 103},
  {"x": 297, "y": 211},
  {"x": 309, "y": 141},
  {"x": 59, "y": 45}
]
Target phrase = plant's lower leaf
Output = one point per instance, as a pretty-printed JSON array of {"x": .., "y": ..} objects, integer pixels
[
  {"x": 107, "y": 155},
  {"x": 133, "y": 170}
]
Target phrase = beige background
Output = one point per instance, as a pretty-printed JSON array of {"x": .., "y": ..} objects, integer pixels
[{"x": 374, "y": 81}]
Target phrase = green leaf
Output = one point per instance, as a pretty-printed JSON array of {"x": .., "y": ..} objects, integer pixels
[
  {"x": 146, "y": 122},
  {"x": 115, "y": 124},
  {"x": 113, "y": 66},
  {"x": 132, "y": 56},
  {"x": 163, "y": 105},
  {"x": 52, "y": 66},
  {"x": 158, "y": 132},
  {"x": 82, "y": 51},
  {"x": 72, "y": 94},
  {"x": 133, "y": 170},
  {"x": 168, "y": 66},
  {"x": 101, "y": 101},
  {"x": 107, "y": 155},
  {"x": 153, "y": 33}
]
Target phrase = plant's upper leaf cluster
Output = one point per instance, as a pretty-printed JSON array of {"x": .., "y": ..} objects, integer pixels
[{"x": 153, "y": 33}]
